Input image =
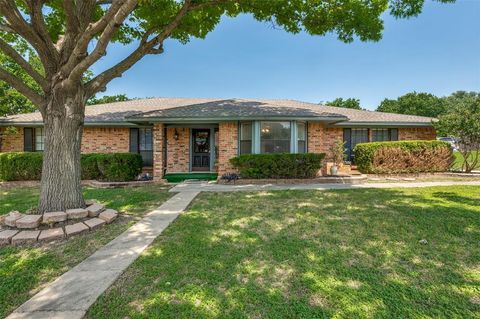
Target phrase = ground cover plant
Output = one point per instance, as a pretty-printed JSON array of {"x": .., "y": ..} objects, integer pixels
[
  {"x": 362, "y": 253},
  {"x": 24, "y": 270}
]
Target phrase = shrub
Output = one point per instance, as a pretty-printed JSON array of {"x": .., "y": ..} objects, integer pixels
[
  {"x": 19, "y": 166},
  {"x": 89, "y": 166},
  {"x": 403, "y": 157},
  {"x": 118, "y": 167},
  {"x": 113, "y": 167},
  {"x": 278, "y": 165}
]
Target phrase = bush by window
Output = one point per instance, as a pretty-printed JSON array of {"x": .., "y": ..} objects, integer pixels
[
  {"x": 278, "y": 165},
  {"x": 403, "y": 157}
]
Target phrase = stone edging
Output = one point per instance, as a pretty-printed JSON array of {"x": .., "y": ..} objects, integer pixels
[{"x": 28, "y": 229}]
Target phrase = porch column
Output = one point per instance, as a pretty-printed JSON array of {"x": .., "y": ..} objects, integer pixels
[{"x": 158, "y": 151}]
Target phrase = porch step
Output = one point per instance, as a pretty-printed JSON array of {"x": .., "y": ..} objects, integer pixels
[{"x": 181, "y": 177}]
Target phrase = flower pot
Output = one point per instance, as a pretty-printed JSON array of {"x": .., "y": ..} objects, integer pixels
[{"x": 334, "y": 170}]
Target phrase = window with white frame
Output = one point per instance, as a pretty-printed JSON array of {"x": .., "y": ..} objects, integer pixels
[
  {"x": 246, "y": 129},
  {"x": 39, "y": 139},
  {"x": 301, "y": 137},
  {"x": 275, "y": 137}
]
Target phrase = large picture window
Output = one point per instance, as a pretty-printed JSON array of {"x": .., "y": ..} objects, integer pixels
[
  {"x": 275, "y": 137},
  {"x": 246, "y": 138},
  {"x": 301, "y": 137}
]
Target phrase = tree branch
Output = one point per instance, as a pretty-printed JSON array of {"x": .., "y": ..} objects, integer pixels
[
  {"x": 80, "y": 49},
  {"x": 15, "y": 56},
  {"x": 19, "y": 26},
  {"x": 21, "y": 87},
  {"x": 154, "y": 46},
  {"x": 102, "y": 43}
]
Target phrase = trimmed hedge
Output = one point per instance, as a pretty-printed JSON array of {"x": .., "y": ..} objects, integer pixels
[
  {"x": 114, "y": 167},
  {"x": 282, "y": 165},
  {"x": 403, "y": 157}
]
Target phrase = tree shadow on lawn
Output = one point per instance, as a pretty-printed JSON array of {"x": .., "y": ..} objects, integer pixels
[{"x": 315, "y": 254}]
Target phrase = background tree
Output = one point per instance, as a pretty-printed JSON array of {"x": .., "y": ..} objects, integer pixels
[
  {"x": 107, "y": 99},
  {"x": 463, "y": 123},
  {"x": 423, "y": 104},
  {"x": 69, "y": 37},
  {"x": 350, "y": 103}
]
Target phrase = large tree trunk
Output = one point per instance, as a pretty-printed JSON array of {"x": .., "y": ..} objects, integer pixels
[{"x": 61, "y": 172}]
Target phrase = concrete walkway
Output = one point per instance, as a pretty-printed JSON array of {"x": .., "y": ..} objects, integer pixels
[
  {"x": 210, "y": 187},
  {"x": 70, "y": 295}
]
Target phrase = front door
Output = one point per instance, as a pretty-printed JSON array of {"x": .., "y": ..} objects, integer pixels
[{"x": 200, "y": 149}]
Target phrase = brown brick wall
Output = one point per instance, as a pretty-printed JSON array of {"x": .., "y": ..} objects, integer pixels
[
  {"x": 158, "y": 151},
  {"x": 105, "y": 140},
  {"x": 321, "y": 138},
  {"x": 227, "y": 146},
  {"x": 12, "y": 142},
  {"x": 94, "y": 140},
  {"x": 178, "y": 151},
  {"x": 417, "y": 133}
]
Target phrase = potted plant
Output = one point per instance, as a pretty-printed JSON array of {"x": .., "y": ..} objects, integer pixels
[{"x": 337, "y": 152}]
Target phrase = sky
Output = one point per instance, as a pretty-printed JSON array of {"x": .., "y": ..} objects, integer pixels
[{"x": 437, "y": 52}]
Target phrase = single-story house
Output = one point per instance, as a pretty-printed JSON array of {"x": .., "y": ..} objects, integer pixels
[{"x": 182, "y": 135}]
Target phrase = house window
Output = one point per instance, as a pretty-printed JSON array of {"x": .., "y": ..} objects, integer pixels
[
  {"x": 275, "y": 137},
  {"x": 39, "y": 139},
  {"x": 141, "y": 142},
  {"x": 384, "y": 134},
  {"x": 380, "y": 135},
  {"x": 352, "y": 137},
  {"x": 301, "y": 137},
  {"x": 246, "y": 138}
]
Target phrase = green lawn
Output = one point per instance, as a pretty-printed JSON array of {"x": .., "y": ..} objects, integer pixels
[
  {"x": 310, "y": 254},
  {"x": 23, "y": 271},
  {"x": 457, "y": 165}
]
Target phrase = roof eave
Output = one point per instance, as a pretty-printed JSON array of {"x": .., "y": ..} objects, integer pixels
[
  {"x": 236, "y": 118},
  {"x": 383, "y": 124}
]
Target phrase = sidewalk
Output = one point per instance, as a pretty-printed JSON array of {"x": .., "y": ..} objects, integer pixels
[
  {"x": 71, "y": 294},
  {"x": 210, "y": 187}
]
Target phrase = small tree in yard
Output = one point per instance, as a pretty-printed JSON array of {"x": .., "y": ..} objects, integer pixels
[
  {"x": 337, "y": 153},
  {"x": 69, "y": 37},
  {"x": 463, "y": 123}
]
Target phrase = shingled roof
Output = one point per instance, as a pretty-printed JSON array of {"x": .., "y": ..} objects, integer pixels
[{"x": 191, "y": 109}]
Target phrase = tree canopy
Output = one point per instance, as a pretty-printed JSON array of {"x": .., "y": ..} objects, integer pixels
[
  {"x": 350, "y": 103},
  {"x": 423, "y": 104},
  {"x": 107, "y": 99},
  {"x": 463, "y": 122}
]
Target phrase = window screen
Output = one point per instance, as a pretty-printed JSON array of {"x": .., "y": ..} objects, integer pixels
[
  {"x": 301, "y": 137},
  {"x": 39, "y": 139},
  {"x": 246, "y": 138}
]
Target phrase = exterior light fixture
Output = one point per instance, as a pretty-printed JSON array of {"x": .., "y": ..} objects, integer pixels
[{"x": 175, "y": 135}]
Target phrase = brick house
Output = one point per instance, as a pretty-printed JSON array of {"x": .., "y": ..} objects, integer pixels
[{"x": 183, "y": 135}]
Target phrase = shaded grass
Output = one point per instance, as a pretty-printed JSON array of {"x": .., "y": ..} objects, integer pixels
[
  {"x": 24, "y": 271},
  {"x": 310, "y": 254}
]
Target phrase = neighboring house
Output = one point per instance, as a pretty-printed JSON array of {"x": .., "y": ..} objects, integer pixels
[{"x": 196, "y": 135}]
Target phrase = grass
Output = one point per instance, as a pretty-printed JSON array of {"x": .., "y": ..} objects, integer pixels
[
  {"x": 310, "y": 254},
  {"x": 457, "y": 165},
  {"x": 24, "y": 271}
]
